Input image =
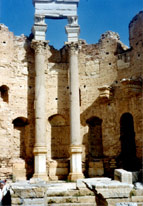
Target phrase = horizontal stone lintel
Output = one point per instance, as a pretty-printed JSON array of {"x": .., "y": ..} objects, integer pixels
[
  {"x": 56, "y": 14},
  {"x": 53, "y": 6},
  {"x": 57, "y": 1},
  {"x": 54, "y": 10}
]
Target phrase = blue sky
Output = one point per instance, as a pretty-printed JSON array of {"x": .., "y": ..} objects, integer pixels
[{"x": 95, "y": 17}]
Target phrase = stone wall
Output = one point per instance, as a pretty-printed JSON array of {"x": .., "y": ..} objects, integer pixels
[
  {"x": 110, "y": 76},
  {"x": 17, "y": 75}
]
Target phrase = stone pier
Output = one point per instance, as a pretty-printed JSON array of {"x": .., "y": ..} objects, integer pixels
[
  {"x": 75, "y": 149},
  {"x": 40, "y": 150}
]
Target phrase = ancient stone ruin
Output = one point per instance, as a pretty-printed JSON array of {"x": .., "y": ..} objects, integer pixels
[{"x": 72, "y": 113}]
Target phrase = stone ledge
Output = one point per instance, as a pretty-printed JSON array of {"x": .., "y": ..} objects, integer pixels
[
  {"x": 137, "y": 198},
  {"x": 80, "y": 182}
]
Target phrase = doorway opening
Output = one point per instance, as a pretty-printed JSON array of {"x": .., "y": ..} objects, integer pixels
[
  {"x": 94, "y": 156},
  {"x": 128, "y": 145}
]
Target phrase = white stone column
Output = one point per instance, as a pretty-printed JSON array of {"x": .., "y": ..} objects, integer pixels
[
  {"x": 75, "y": 148},
  {"x": 40, "y": 149}
]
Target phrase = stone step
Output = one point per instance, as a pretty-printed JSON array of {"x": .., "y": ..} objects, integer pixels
[
  {"x": 71, "y": 199},
  {"x": 137, "y": 198},
  {"x": 81, "y": 192},
  {"x": 61, "y": 186},
  {"x": 140, "y": 204},
  {"x": 73, "y": 204}
]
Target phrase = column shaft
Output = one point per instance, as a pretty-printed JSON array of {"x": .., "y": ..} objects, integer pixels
[
  {"x": 40, "y": 100},
  {"x": 76, "y": 148},
  {"x": 40, "y": 120},
  {"x": 74, "y": 97}
]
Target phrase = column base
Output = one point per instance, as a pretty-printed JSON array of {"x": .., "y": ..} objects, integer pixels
[
  {"x": 40, "y": 163},
  {"x": 40, "y": 176},
  {"x": 75, "y": 176},
  {"x": 75, "y": 163}
]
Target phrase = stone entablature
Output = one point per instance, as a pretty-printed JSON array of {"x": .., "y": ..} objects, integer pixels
[{"x": 56, "y": 8}]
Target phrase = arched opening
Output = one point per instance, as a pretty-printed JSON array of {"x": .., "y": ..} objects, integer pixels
[
  {"x": 94, "y": 147},
  {"x": 4, "y": 93},
  {"x": 60, "y": 137},
  {"x": 95, "y": 137},
  {"x": 20, "y": 122},
  {"x": 128, "y": 146},
  {"x": 20, "y": 140},
  {"x": 60, "y": 143},
  {"x": 20, "y": 136}
]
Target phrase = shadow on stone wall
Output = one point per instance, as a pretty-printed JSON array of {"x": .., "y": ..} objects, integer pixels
[{"x": 29, "y": 58}]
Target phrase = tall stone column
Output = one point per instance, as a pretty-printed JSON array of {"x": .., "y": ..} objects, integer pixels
[
  {"x": 75, "y": 148},
  {"x": 40, "y": 150}
]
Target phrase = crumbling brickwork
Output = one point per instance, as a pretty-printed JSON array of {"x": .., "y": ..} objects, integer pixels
[{"x": 110, "y": 76}]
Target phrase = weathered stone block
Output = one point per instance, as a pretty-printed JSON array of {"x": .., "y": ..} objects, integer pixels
[
  {"x": 126, "y": 204},
  {"x": 114, "y": 189},
  {"x": 34, "y": 202},
  {"x": 123, "y": 176},
  {"x": 29, "y": 194},
  {"x": 17, "y": 201},
  {"x": 80, "y": 182},
  {"x": 137, "y": 198}
]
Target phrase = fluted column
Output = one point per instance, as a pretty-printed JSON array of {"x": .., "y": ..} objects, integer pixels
[
  {"x": 75, "y": 148},
  {"x": 40, "y": 150}
]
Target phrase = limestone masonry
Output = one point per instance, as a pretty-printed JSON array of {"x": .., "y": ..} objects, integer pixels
[{"x": 109, "y": 99}]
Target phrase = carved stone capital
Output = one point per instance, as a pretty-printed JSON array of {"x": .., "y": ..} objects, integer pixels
[
  {"x": 73, "y": 48},
  {"x": 73, "y": 20},
  {"x": 39, "y": 46},
  {"x": 39, "y": 19}
]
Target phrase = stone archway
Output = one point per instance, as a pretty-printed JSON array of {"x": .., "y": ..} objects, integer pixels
[
  {"x": 128, "y": 145},
  {"x": 60, "y": 137},
  {"x": 20, "y": 166},
  {"x": 20, "y": 124},
  {"x": 95, "y": 137},
  {"x": 60, "y": 144}
]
